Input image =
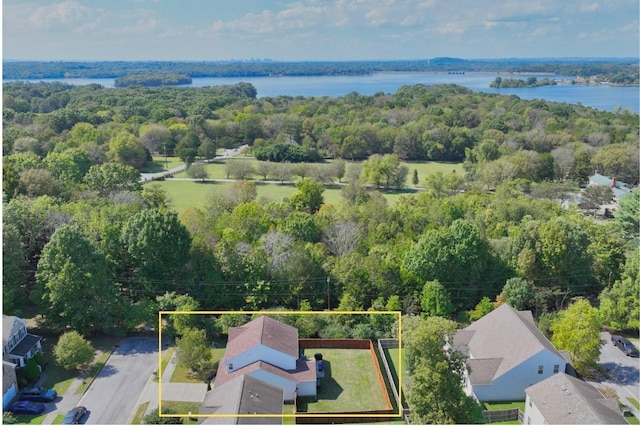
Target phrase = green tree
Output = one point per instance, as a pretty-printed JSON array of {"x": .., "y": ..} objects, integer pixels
[
  {"x": 435, "y": 392},
  {"x": 153, "y": 418},
  {"x": 14, "y": 269},
  {"x": 158, "y": 244},
  {"x": 124, "y": 148},
  {"x": 110, "y": 177},
  {"x": 415, "y": 180},
  {"x": 76, "y": 284},
  {"x": 197, "y": 171},
  {"x": 595, "y": 196},
  {"x": 518, "y": 293},
  {"x": 577, "y": 330},
  {"x": 628, "y": 215},
  {"x": 483, "y": 307},
  {"x": 37, "y": 182},
  {"x": 456, "y": 256},
  {"x": 73, "y": 351},
  {"x": 620, "y": 304},
  {"x": 193, "y": 350},
  {"x": 435, "y": 300},
  {"x": 308, "y": 197}
]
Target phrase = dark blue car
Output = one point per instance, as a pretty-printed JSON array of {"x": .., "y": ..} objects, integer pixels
[
  {"x": 26, "y": 407},
  {"x": 73, "y": 417},
  {"x": 37, "y": 394}
]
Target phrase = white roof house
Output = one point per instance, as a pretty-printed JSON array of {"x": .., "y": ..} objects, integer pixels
[
  {"x": 565, "y": 400},
  {"x": 507, "y": 354},
  {"x": 268, "y": 350}
]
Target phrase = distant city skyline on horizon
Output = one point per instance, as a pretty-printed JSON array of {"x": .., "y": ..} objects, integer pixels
[{"x": 318, "y": 30}]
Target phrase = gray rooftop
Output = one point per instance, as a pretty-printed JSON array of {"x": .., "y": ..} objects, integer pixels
[
  {"x": 500, "y": 341},
  {"x": 564, "y": 399},
  {"x": 243, "y": 395}
]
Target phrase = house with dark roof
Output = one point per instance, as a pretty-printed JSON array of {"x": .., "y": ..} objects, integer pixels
[
  {"x": 565, "y": 400},
  {"x": 244, "y": 395},
  {"x": 18, "y": 345},
  {"x": 507, "y": 354},
  {"x": 268, "y": 350}
]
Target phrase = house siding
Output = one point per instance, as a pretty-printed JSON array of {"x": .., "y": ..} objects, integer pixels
[
  {"x": 307, "y": 388},
  {"x": 532, "y": 414},
  {"x": 511, "y": 385},
  {"x": 261, "y": 353},
  {"x": 288, "y": 386}
]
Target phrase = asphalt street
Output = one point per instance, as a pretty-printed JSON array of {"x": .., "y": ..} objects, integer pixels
[
  {"x": 624, "y": 373},
  {"x": 115, "y": 391}
]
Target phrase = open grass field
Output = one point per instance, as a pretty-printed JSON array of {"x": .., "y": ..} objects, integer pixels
[
  {"x": 351, "y": 383},
  {"x": 186, "y": 193}
]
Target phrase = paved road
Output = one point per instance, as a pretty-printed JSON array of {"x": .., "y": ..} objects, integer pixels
[
  {"x": 114, "y": 393},
  {"x": 624, "y": 373}
]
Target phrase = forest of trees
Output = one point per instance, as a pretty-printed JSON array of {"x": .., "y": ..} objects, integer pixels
[
  {"x": 625, "y": 70},
  {"x": 97, "y": 251}
]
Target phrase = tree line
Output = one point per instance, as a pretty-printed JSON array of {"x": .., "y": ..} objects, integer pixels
[
  {"x": 99, "y": 252},
  {"x": 624, "y": 68}
]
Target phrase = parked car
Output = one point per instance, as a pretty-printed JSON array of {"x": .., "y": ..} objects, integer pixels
[
  {"x": 73, "y": 416},
  {"x": 27, "y": 407},
  {"x": 624, "y": 345},
  {"x": 38, "y": 395}
]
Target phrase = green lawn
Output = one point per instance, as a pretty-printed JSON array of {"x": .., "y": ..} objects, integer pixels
[
  {"x": 505, "y": 405},
  {"x": 184, "y": 375},
  {"x": 183, "y": 408},
  {"x": 631, "y": 419},
  {"x": 351, "y": 383},
  {"x": 634, "y": 402},
  {"x": 137, "y": 419},
  {"x": 160, "y": 164},
  {"x": 27, "y": 419}
]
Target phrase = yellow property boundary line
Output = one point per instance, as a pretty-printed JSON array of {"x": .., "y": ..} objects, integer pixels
[{"x": 397, "y": 314}]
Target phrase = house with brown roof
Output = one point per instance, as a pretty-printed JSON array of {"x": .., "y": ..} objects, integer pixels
[
  {"x": 17, "y": 344},
  {"x": 268, "y": 350},
  {"x": 244, "y": 395},
  {"x": 565, "y": 400},
  {"x": 507, "y": 354}
]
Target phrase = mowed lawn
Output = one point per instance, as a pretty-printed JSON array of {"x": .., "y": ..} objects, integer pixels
[
  {"x": 393, "y": 358},
  {"x": 351, "y": 383},
  {"x": 185, "y": 194}
]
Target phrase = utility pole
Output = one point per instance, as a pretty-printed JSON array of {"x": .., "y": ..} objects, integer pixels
[{"x": 328, "y": 294}]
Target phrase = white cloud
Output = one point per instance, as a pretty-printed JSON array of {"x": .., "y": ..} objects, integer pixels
[
  {"x": 589, "y": 8},
  {"x": 58, "y": 13}
]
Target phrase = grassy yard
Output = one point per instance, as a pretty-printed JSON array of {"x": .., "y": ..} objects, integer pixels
[
  {"x": 137, "y": 419},
  {"x": 160, "y": 164},
  {"x": 183, "y": 408},
  {"x": 27, "y": 419},
  {"x": 350, "y": 383},
  {"x": 183, "y": 375},
  {"x": 631, "y": 419},
  {"x": 506, "y": 405}
]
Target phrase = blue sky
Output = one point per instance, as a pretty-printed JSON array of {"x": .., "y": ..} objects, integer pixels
[{"x": 317, "y": 29}]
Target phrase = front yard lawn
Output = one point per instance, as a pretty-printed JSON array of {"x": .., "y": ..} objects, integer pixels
[
  {"x": 351, "y": 383},
  {"x": 183, "y": 408}
]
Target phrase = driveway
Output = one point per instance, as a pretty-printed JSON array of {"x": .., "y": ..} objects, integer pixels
[
  {"x": 624, "y": 372},
  {"x": 113, "y": 395}
]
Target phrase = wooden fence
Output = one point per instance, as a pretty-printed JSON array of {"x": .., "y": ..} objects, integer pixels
[
  {"x": 490, "y": 416},
  {"x": 352, "y": 416},
  {"x": 391, "y": 344}
]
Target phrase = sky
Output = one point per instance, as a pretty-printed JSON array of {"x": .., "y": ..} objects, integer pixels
[{"x": 316, "y": 30}]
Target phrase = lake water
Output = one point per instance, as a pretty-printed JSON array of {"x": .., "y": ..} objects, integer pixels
[{"x": 602, "y": 97}]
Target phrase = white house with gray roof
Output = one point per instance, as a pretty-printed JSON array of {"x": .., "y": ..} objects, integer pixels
[
  {"x": 565, "y": 400},
  {"x": 507, "y": 354}
]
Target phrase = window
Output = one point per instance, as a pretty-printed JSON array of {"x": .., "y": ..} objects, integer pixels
[
  {"x": 230, "y": 367},
  {"x": 540, "y": 369},
  {"x": 556, "y": 368}
]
